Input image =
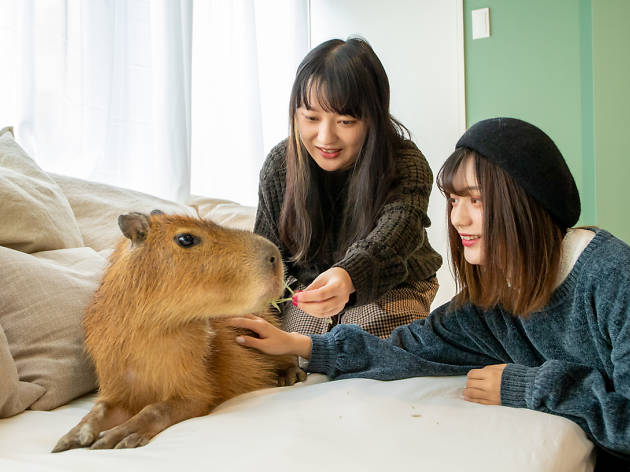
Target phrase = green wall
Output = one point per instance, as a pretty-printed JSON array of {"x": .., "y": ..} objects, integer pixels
[
  {"x": 549, "y": 62},
  {"x": 611, "y": 80}
]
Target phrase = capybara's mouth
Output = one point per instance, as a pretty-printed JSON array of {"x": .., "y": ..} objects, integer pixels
[{"x": 277, "y": 301}]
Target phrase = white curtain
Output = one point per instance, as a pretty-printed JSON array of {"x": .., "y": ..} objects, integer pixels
[
  {"x": 245, "y": 54},
  {"x": 161, "y": 96}
]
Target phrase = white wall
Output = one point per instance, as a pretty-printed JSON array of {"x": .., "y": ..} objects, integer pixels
[{"x": 420, "y": 43}]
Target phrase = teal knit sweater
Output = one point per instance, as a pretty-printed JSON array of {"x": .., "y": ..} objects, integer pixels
[{"x": 570, "y": 359}]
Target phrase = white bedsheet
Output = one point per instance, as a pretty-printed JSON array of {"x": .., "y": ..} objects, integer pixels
[{"x": 367, "y": 425}]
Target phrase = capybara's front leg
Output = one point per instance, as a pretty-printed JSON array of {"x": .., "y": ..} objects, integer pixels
[
  {"x": 289, "y": 372},
  {"x": 101, "y": 417},
  {"x": 152, "y": 419}
]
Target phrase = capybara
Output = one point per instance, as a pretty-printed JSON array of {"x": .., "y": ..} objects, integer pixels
[{"x": 157, "y": 333}]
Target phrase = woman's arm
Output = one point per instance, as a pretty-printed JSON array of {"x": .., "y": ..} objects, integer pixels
[
  {"x": 577, "y": 392},
  {"x": 599, "y": 401},
  {"x": 439, "y": 345},
  {"x": 379, "y": 261}
]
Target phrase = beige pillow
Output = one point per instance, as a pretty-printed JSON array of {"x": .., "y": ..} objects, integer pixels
[
  {"x": 97, "y": 206},
  {"x": 36, "y": 215},
  {"x": 15, "y": 395},
  {"x": 225, "y": 212},
  {"x": 43, "y": 298}
]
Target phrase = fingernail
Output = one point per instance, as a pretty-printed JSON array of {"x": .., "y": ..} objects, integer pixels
[
  {"x": 293, "y": 303},
  {"x": 240, "y": 339},
  {"x": 294, "y": 299}
]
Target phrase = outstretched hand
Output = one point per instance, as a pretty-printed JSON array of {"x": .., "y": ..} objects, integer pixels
[
  {"x": 327, "y": 295},
  {"x": 484, "y": 385},
  {"x": 271, "y": 340}
]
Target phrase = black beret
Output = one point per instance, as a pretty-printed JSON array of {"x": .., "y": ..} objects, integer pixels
[{"x": 532, "y": 159}]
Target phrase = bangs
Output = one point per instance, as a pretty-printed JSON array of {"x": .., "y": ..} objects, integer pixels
[
  {"x": 335, "y": 91},
  {"x": 445, "y": 179}
]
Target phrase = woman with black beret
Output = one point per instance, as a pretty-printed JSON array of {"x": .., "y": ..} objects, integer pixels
[{"x": 542, "y": 316}]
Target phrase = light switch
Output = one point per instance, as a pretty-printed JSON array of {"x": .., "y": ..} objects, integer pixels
[{"x": 481, "y": 23}]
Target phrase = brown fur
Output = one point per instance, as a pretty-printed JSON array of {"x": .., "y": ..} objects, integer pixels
[{"x": 157, "y": 328}]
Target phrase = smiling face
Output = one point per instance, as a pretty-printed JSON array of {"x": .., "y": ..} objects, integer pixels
[
  {"x": 333, "y": 140},
  {"x": 467, "y": 211}
]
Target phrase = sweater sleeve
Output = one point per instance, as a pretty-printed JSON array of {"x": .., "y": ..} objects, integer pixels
[
  {"x": 378, "y": 262},
  {"x": 437, "y": 346},
  {"x": 598, "y": 403}
]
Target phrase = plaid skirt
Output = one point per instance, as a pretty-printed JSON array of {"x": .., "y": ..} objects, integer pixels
[{"x": 397, "y": 307}]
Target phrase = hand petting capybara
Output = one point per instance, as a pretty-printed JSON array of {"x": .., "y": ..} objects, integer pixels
[{"x": 157, "y": 328}]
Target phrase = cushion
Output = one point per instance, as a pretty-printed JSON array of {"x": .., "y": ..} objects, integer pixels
[
  {"x": 42, "y": 361},
  {"x": 39, "y": 215},
  {"x": 15, "y": 395},
  {"x": 225, "y": 212},
  {"x": 97, "y": 206}
]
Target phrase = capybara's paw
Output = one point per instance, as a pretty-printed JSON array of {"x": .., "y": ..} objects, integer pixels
[
  {"x": 121, "y": 437},
  {"x": 290, "y": 376},
  {"x": 79, "y": 436}
]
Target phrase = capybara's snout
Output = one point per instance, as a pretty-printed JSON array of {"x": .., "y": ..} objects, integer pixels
[{"x": 270, "y": 258}]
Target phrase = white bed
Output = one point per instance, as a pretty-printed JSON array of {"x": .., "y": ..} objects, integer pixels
[
  {"x": 54, "y": 239},
  {"x": 412, "y": 424}
]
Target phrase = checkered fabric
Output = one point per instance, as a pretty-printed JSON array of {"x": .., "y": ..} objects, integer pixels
[{"x": 397, "y": 307}]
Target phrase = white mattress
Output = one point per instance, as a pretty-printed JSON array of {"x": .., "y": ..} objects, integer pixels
[{"x": 412, "y": 424}]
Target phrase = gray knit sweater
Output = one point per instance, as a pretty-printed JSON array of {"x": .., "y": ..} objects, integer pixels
[
  {"x": 570, "y": 359},
  {"x": 397, "y": 249}
]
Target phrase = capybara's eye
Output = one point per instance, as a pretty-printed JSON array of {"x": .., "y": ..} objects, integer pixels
[{"x": 186, "y": 240}]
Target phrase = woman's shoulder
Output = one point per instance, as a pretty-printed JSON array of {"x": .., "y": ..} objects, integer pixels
[
  {"x": 275, "y": 162},
  {"x": 411, "y": 162},
  {"x": 609, "y": 249},
  {"x": 406, "y": 147},
  {"x": 604, "y": 257},
  {"x": 279, "y": 149}
]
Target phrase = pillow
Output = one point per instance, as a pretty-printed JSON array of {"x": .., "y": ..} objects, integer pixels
[
  {"x": 15, "y": 395},
  {"x": 36, "y": 215},
  {"x": 97, "y": 206},
  {"x": 225, "y": 212},
  {"x": 43, "y": 298}
]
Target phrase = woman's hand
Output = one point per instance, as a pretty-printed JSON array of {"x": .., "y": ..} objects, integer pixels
[
  {"x": 484, "y": 385},
  {"x": 327, "y": 294},
  {"x": 271, "y": 340}
]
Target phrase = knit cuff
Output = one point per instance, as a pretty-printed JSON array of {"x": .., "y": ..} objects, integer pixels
[
  {"x": 361, "y": 271},
  {"x": 323, "y": 354},
  {"x": 517, "y": 383}
]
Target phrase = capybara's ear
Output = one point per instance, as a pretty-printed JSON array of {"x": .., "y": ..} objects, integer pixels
[
  {"x": 134, "y": 226},
  {"x": 156, "y": 212}
]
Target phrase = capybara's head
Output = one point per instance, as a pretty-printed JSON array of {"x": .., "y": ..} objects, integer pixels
[{"x": 184, "y": 266}]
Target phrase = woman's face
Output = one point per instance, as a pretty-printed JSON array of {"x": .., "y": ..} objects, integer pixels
[
  {"x": 467, "y": 212},
  {"x": 332, "y": 140}
]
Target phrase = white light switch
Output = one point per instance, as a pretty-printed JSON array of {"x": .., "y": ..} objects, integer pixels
[{"x": 481, "y": 23}]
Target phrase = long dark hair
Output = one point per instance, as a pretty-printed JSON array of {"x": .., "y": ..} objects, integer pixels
[
  {"x": 346, "y": 77},
  {"x": 521, "y": 242}
]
